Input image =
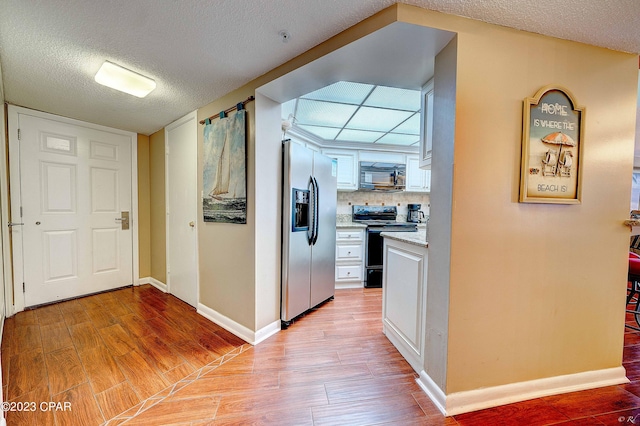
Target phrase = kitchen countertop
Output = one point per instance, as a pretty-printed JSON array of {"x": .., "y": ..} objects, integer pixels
[
  {"x": 350, "y": 225},
  {"x": 418, "y": 238}
]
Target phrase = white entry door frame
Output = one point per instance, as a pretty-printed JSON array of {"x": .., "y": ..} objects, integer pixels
[
  {"x": 17, "y": 252},
  {"x": 181, "y": 186}
]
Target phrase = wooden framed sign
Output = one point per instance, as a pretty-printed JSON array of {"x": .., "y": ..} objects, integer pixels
[{"x": 552, "y": 136}]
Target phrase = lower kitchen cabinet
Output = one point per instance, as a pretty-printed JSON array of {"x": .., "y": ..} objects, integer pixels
[
  {"x": 349, "y": 257},
  {"x": 404, "y": 299}
]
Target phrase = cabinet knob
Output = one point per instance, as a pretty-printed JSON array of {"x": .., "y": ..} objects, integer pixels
[
  {"x": 348, "y": 273},
  {"x": 348, "y": 252}
]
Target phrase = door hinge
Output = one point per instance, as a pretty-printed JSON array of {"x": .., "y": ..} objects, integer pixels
[
  {"x": 18, "y": 134},
  {"x": 20, "y": 211},
  {"x": 23, "y": 288}
]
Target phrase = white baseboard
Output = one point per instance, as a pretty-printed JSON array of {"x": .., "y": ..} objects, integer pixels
[
  {"x": 479, "y": 399},
  {"x": 433, "y": 391},
  {"x": 157, "y": 284},
  {"x": 253, "y": 337}
]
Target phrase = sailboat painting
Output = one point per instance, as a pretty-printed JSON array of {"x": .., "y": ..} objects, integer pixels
[{"x": 224, "y": 197}]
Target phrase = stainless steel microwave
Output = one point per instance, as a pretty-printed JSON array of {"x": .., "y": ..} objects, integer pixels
[{"x": 378, "y": 176}]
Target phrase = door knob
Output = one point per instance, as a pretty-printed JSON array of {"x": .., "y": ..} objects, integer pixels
[{"x": 192, "y": 224}]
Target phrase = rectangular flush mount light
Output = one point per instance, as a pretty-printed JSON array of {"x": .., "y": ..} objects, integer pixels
[{"x": 124, "y": 80}]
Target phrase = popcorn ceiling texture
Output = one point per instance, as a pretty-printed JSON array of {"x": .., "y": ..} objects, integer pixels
[{"x": 199, "y": 50}]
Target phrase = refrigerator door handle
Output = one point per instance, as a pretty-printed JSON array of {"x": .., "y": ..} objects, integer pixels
[
  {"x": 316, "y": 210},
  {"x": 312, "y": 207}
]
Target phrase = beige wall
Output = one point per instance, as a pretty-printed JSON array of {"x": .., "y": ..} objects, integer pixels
[
  {"x": 227, "y": 258},
  {"x": 144, "y": 207},
  {"x": 158, "y": 249}
]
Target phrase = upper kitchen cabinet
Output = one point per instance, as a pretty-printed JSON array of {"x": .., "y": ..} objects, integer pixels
[
  {"x": 347, "y": 170},
  {"x": 418, "y": 180},
  {"x": 426, "y": 125}
]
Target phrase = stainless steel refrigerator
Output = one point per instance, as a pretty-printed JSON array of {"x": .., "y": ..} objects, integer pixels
[{"x": 308, "y": 230}]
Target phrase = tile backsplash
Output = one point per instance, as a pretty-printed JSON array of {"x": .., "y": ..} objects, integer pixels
[{"x": 398, "y": 199}]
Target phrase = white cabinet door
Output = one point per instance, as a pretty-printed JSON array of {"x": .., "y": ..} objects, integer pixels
[
  {"x": 426, "y": 124},
  {"x": 418, "y": 180},
  {"x": 347, "y": 172}
]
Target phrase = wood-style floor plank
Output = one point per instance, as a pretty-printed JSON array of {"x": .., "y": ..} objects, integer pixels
[
  {"x": 85, "y": 336},
  {"x": 178, "y": 412},
  {"x": 64, "y": 369},
  {"x": 117, "y": 340},
  {"x": 117, "y": 399},
  {"x": 101, "y": 368},
  {"x": 144, "y": 378},
  {"x": 55, "y": 336},
  {"x": 84, "y": 408},
  {"x": 27, "y": 373}
]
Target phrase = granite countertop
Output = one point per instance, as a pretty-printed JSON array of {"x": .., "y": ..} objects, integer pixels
[
  {"x": 418, "y": 238},
  {"x": 632, "y": 222},
  {"x": 350, "y": 225}
]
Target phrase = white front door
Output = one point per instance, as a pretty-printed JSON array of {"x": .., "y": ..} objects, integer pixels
[
  {"x": 182, "y": 192},
  {"x": 75, "y": 189}
]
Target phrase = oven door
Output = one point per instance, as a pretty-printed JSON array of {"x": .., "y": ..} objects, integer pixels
[
  {"x": 373, "y": 258},
  {"x": 375, "y": 248}
]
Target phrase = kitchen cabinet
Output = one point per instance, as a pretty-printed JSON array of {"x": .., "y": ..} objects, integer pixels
[
  {"x": 347, "y": 167},
  {"x": 418, "y": 180},
  {"x": 349, "y": 257},
  {"x": 426, "y": 124},
  {"x": 404, "y": 298}
]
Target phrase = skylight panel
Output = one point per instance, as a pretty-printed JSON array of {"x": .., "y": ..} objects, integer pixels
[
  {"x": 359, "y": 136},
  {"x": 323, "y": 113},
  {"x": 377, "y": 119},
  {"x": 343, "y": 92},
  {"x": 411, "y": 126},
  {"x": 326, "y": 133},
  {"x": 394, "y": 98}
]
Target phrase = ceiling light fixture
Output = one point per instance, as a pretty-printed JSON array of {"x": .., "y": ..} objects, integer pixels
[{"x": 124, "y": 80}]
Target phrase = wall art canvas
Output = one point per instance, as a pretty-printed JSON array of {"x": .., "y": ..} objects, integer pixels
[{"x": 224, "y": 196}]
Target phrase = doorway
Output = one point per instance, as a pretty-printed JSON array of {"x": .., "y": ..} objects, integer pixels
[{"x": 73, "y": 207}]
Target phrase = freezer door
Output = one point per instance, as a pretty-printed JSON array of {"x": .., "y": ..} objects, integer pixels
[
  {"x": 323, "y": 258},
  {"x": 296, "y": 251}
]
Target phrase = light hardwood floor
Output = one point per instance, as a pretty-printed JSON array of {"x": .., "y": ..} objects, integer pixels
[{"x": 140, "y": 357}]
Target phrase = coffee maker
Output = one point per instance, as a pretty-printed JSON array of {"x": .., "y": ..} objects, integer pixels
[{"x": 414, "y": 214}]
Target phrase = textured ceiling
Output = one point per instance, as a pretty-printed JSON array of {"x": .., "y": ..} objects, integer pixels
[{"x": 199, "y": 50}]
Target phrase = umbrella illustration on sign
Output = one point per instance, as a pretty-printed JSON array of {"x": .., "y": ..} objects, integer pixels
[{"x": 556, "y": 161}]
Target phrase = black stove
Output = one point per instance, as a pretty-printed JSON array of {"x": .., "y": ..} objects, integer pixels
[{"x": 378, "y": 219}]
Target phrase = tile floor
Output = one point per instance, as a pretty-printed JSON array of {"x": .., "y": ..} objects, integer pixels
[{"x": 156, "y": 362}]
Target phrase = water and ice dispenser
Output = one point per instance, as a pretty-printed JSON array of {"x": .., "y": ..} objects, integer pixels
[{"x": 300, "y": 210}]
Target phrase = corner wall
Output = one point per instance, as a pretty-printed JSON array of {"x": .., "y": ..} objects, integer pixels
[
  {"x": 536, "y": 291},
  {"x": 158, "y": 217},
  {"x": 144, "y": 208}
]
